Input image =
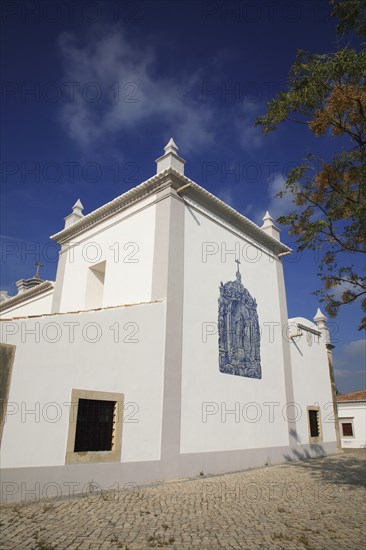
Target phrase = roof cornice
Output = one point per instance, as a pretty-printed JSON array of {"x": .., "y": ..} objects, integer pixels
[
  {"x": 154, "y": 184},
  {"x": 309, "y": 329},
  {"x": 221, "y": 207},
  {"x": 358, "y": 396},
  {"x": 31, "y": 293},
  {"x": 111, "y": 208},
  {"x": 351, "y": 401}
]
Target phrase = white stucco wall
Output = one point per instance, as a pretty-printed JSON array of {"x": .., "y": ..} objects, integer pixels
[
  {"x": 356, "y": 414},
  {"x": 311, "y": 381},
  {"x": 61, "y": 354},
  {"x": 37, "y": 305},
  {"x": 126, "y": 243},
  {"x": 258, "y": 405}
]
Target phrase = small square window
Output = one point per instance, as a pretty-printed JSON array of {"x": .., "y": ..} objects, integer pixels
[
  {"x": 347, "y": 429},
  {"x": 95, "y": 427}
]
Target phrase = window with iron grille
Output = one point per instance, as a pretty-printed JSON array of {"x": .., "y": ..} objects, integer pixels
[
  {"x": 94, "y": 426},
  {"x": 314, "y": 423}
]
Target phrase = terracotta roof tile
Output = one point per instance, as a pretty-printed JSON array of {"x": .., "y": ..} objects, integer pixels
[
  {"x": 7, "y": 319},
  {"x": 353, "y": 396}
]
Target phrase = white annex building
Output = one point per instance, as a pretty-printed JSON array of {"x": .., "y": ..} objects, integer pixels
[
  {"x": 162, "y": 350},
  {"x": 352, "y": 419}
]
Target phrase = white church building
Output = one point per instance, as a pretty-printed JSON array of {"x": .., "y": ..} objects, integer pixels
[{"x": 162, "y": 350}]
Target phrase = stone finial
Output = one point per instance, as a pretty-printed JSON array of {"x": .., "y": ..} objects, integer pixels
[
  {"x": 267, "y": 219},
  {"x": 319, "y": 317},
  {"x": 76, "y": 215},
  {"x": 269, "y": 226},
  {"x": 171, "y": 147},
  {"x": 320, "y": 321},
  {"x": 170, "y": 159},
  {"x": 78, "y": 207}
]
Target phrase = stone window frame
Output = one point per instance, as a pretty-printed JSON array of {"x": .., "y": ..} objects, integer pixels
[
  {"x": 114, "y": 455},
  {"x": 319, "y": 438},
  {"x": 347, "y": 420}
]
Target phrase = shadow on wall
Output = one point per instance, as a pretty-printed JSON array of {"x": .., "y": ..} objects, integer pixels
[
  {"x": 345, "y": 468},
  {"x": 312, "y": 450}
]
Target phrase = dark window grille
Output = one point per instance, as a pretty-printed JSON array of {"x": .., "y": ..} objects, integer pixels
[
  {"x": 347, "y": 428},
  {"x": 94, "y": 426},
  {"x": 314, "y": 423}
]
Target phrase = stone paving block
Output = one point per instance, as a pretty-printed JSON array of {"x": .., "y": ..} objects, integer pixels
[{"x": 298, "y": 506}]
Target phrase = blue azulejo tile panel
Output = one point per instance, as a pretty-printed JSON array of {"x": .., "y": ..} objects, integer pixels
[{"x": 239, "y": 335}]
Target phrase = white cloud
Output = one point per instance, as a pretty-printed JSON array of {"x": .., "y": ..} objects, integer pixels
[
  {"x": 337, "y": 291},
  {"x": 131, "y": 92},
  {"x": 356, "y": 349},
  {"x": 349, "y": 366},
  {"x": 250, "y": 137},
  {"x": 248, "y": 209},
  {"x": 226, "y": 195},
  {"x": 276, "y": 206},
  {"x": 344, "y": 373},
  {"x": 351, "y": 361}
]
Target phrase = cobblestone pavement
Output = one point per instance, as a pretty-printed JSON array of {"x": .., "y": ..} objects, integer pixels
[{"x": 314, "y": 504}]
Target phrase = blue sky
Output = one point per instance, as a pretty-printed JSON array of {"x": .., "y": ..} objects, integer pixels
[{"x": 92, "y": 91}]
